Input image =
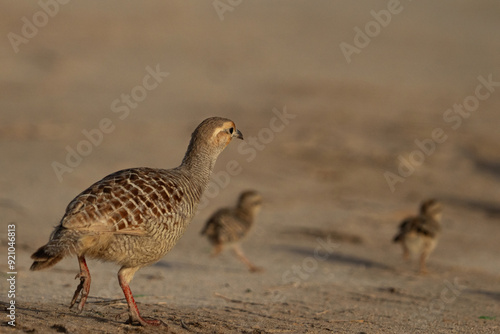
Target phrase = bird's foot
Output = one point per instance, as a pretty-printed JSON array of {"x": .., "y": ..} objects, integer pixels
[
  {"x": 423, "y": 272},
  {"x": 140, "y": 321},
  {"x": 137, "y": 320},
  {"x": 83, "y": 289},
  {"x": 254, "y": 269}
]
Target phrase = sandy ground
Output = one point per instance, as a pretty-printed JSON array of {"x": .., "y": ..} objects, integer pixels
[{"x": 324, "y": 234}]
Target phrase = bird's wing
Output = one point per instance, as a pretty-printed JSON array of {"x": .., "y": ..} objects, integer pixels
[
  {"x": 125, "y": 201},
  {"x": 406, "y": 226},
  {"x": 233, "y": 229},
  {"x": 428, "y": 226},
  {"x": 213, "y": 226}
]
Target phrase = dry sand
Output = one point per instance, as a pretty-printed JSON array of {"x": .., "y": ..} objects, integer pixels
[{"x": 324, "y": 235}]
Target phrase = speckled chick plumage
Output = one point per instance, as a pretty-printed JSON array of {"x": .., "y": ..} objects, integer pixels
[
  {"x": 133, "y": 217},
  {"x": 228, "y": 226},
  {"x": 419, "y": 234}
]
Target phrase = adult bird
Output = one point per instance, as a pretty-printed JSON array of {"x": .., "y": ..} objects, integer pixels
[{"x": 135, "y": 216}]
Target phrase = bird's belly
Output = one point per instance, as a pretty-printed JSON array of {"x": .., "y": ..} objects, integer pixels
[
  {"x": 417, "y": 243},
  {"x": 413, "y": 242},
  {"x": 133, "y": 250}
]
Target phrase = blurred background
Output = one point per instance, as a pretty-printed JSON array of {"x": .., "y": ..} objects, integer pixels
[{"x": 360, "y": 82}]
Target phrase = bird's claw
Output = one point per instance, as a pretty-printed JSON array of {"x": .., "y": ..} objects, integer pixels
[
  {"x": 145, "y": 322},
  {"x": 80, "y": 289}
]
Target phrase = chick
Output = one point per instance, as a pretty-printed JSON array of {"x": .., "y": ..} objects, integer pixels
[
  {"x": 228, "y": 226},
  {"x": 418, "y": 234}
]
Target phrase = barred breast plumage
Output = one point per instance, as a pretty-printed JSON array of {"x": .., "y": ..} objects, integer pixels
[
  {"x": 129, "y": 205},
  {"x": 133, "y": 217}
]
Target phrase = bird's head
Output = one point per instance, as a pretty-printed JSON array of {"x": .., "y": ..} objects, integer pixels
[
  {"x": 223, "y": 131},
  {"x": 251, "y": 201},
  {"x": 432, "y": 208},
  {"x": 217, "y": 132},
  {"x": 211, "y": 137}
]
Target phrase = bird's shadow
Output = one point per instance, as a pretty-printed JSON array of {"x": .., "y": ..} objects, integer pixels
[
  {"x": 488, "y": 166},
  {"x": 188, "y": 266},
  {"x": 491, "y": 294},
  {"x": 311, "y": 232},
  {"x": 491, "y": 209},
  {"x": 483, "y": 163},
  {"x": 335, "y": 257},
  {"x": 45, "y": 313}
]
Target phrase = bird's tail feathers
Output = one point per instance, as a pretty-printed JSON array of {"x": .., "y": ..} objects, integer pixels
[
  {"x": 44, "y": 258},
  {"x": 61, "y": 244},
  {"x": 398, "y": 238},
  {"x": 205, "y": 229}
]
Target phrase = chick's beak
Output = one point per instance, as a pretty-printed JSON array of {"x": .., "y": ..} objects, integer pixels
[{"x": 238, "y": 134}]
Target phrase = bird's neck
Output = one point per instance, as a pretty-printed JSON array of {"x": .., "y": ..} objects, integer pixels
[
  {"x": 199, "y": 162},
  {"x": 436, "y": 217},
  {"x": 248, "y": 213}
]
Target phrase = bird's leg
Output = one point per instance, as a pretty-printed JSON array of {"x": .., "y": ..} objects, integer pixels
[
  {"x": 124, "y": 277},
  {"x": 428, "y": 247},
  {"x": 84, "y": 286},
  {"x": 217, "y": 250},
  {"x": 406, "y": 252},
  {"x": 423, "y": 267},
  {"x": 241, "y": 256}
]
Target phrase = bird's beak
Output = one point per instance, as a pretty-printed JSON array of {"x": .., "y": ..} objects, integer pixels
[{"x": 238, "y": 134}]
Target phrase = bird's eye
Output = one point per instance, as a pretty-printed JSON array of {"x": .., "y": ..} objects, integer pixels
[{"x": 231, "y": 130}]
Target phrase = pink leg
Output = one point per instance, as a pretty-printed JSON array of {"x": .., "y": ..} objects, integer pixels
[
  {"x": 241, "y": 256},
  {"x": 124, "y": 277},
  {"x": 423, "y": 267},
  {"x": 84, "y": 286},
  {"x": 428, "y": 248},
  {"x": 406, "y": 252},
  {"x": 217, "y": 250}
]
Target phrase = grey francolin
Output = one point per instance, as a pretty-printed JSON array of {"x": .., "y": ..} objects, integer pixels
[
  {"x": 418, "y": 234},
  {"x": 133, "y": 217},
  {"x": 227, "y": 226}
]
